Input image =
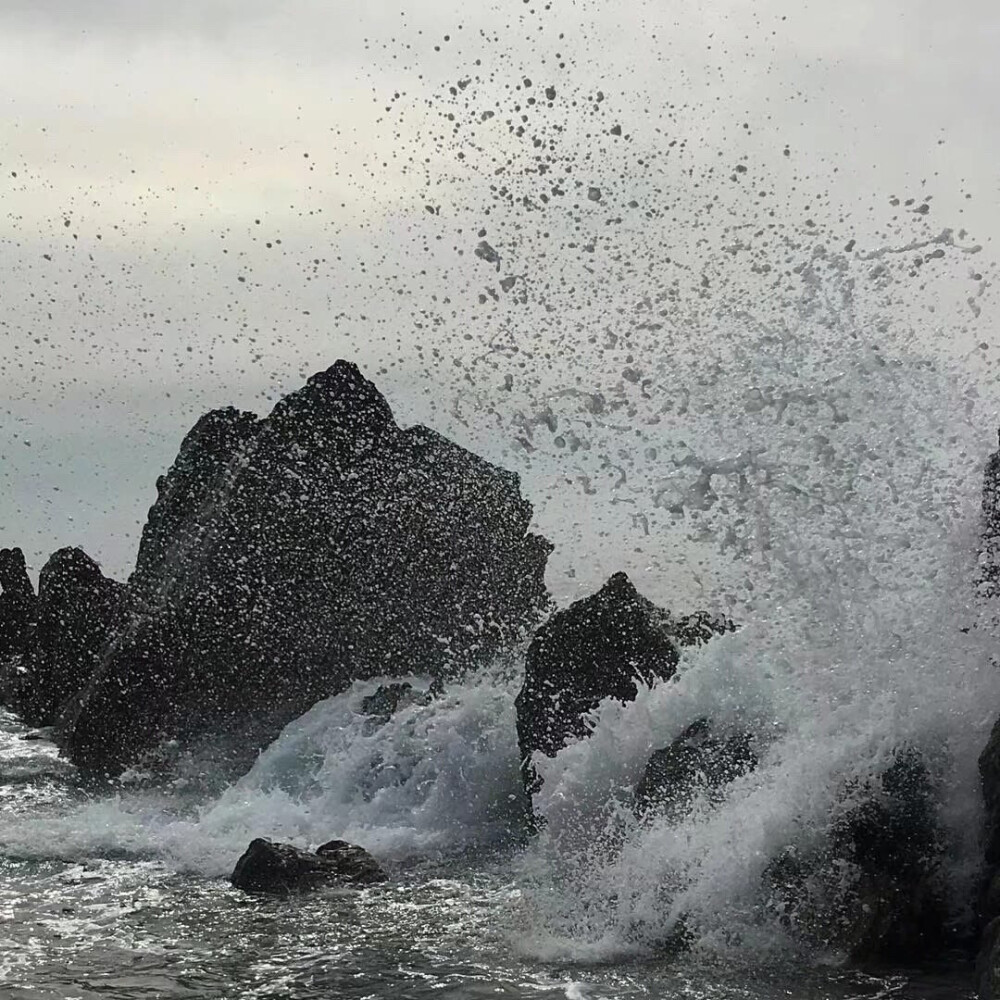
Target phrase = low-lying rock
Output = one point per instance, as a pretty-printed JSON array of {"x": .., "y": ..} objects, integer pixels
[
  {"x": 599, "y": 647},
  {"x": 697, "y": 762},
  {"x": 270, "y": 867}
]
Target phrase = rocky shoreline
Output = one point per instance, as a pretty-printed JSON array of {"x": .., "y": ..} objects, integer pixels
[{"x": 289, "y": 556}]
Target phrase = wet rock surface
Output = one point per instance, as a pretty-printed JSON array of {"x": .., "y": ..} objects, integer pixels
[
  {"x": 270, "y": 867},
  {"x": 599, "y": 647}
]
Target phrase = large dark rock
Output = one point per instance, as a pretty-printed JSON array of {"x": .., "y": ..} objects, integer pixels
[
  {"x": 79, "y": 610},
  {"x": 698, "y": 762},
  {"x": 288, "y": 556},
  {"x": 599, "y": 647},
  {"x": 875, "y": 891},
  {"x": 281, "y": 868}
]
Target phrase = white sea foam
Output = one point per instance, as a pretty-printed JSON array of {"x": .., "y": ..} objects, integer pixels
[{"x": 839, "y": 485}]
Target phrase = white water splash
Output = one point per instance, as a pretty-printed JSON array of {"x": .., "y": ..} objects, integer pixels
[
  {"x": 435, "y": 777},
  {"x": 843, "y": 486}
]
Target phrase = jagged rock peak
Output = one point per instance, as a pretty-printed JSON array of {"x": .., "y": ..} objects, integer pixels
[{"x": 332, "y": 402}]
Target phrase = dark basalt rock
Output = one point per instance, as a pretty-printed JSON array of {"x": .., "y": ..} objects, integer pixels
[
  {"x": 697, "y": 762},
  {"x": 597, "y": 648},
  {"x": 875, "y": 891},
  {"x": 288, "y": 556},
  {"x": 281, "y": 868}
]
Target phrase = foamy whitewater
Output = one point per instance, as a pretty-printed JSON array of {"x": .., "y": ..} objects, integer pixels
[{"x": 820, "y": 481}]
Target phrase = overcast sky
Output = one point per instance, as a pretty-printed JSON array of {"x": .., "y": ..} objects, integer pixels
[{"x": 203, "y": 202}]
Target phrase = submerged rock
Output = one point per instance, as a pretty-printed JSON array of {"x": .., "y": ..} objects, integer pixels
[
  {"x": 288, "y": 556},
  {"x": 281, "y": 868},
  {"x": 875, "y": 891},
  {"x": 599, "y": 647},
  {"x": 697, "y": 762},
  {"x": 43, "y": 735}
]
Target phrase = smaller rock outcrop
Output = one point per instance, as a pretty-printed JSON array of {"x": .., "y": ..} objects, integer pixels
[
  {"x": 79, "y": 610},
  {"x": 698, "y": 762},
  {"x": 18, "y": 604},
  {"x": 599, "y": 647},
  {"x": 269, "y": 867}
]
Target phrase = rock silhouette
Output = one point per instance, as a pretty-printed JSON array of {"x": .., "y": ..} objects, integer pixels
[
  {"x": 79, "y": 611},
  {"x": 18, "y": 604},
  {"x": 287, "y": 556},
  {"x": 599, "y": 647}
]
